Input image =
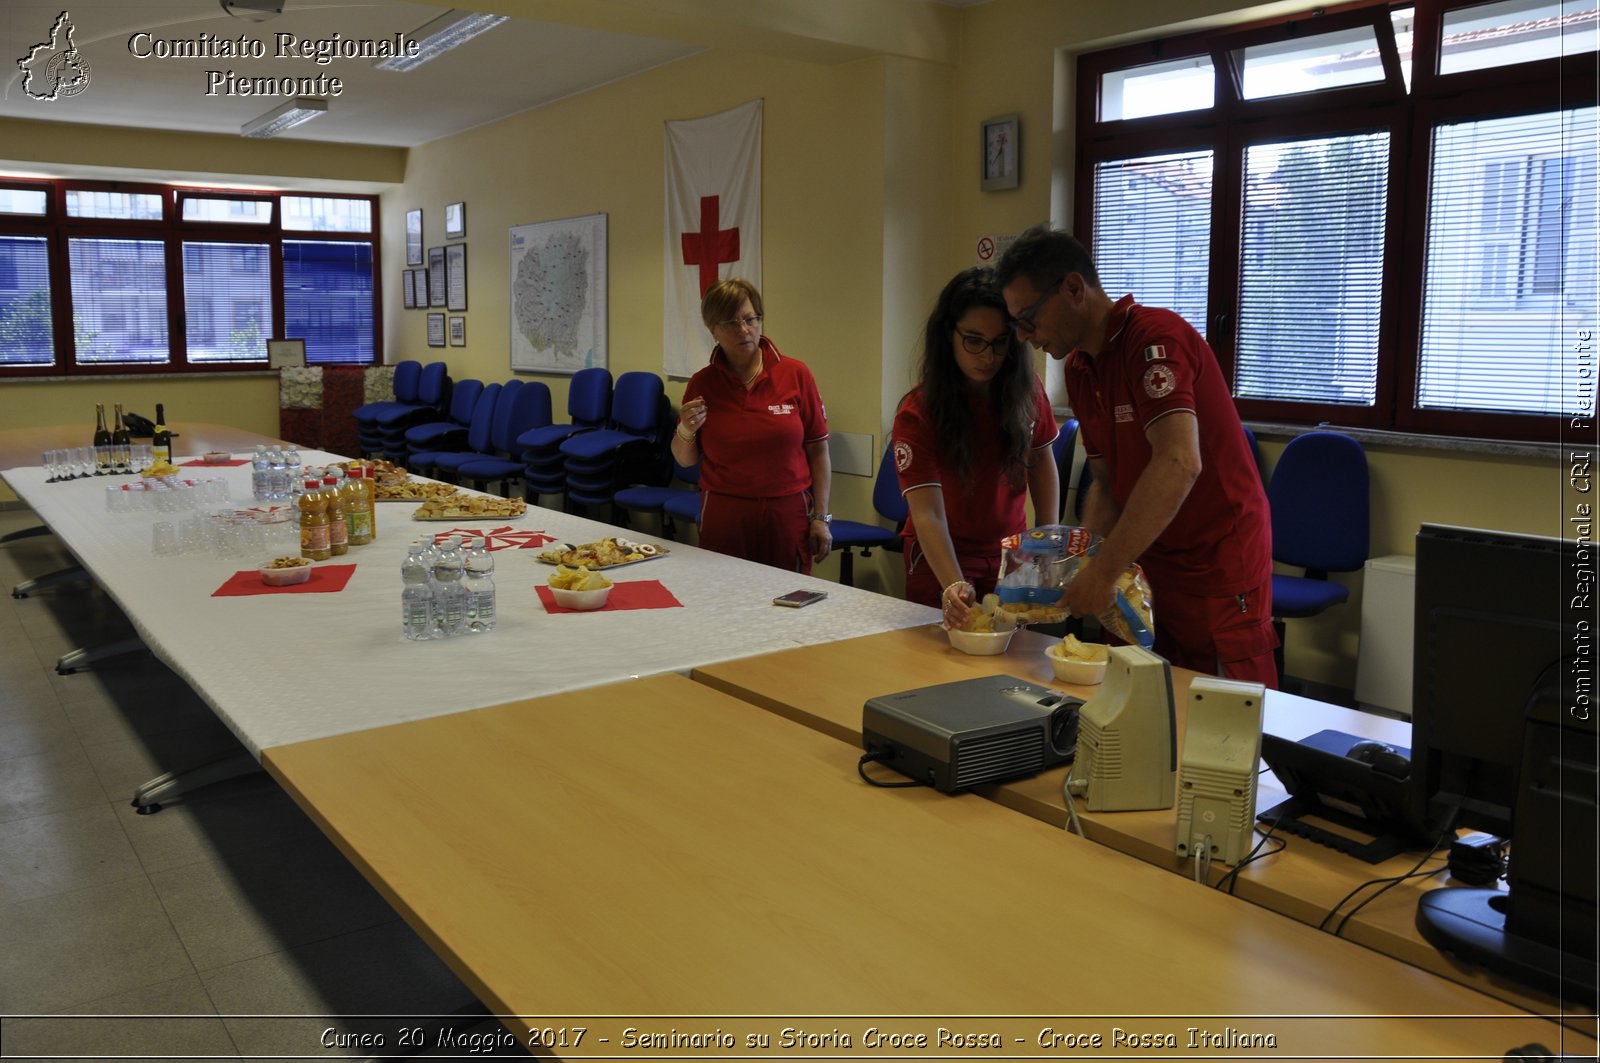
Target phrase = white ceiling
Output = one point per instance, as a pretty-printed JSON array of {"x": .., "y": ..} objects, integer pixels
[{"x": 518, "y": 65}]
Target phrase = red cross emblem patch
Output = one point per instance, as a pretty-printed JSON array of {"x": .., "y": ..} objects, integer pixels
[{"x": 1158, "y": 381}]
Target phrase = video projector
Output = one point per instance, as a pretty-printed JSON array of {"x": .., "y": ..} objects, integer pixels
[{"x": 954, "y": 736}]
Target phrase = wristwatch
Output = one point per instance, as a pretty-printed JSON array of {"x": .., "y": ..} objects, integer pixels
[{"x": 826, "y": 518}]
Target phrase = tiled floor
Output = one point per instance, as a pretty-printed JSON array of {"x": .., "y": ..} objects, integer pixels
[{"x": 227, "y": 918}]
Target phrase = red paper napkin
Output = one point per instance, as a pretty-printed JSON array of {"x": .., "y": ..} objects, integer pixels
[
  {"x": 325, "y": 579},
  {"x": 637, "y": 594},
  {"x": 202, "y": 463}
]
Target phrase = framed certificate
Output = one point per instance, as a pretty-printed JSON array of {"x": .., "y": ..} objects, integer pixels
[
  {"x": 285, "y": 354},
  {"x": 409, "y": 286},
  {"x": 455, "y": 276},
  {"x": 455, "y": 221},
  {"x": 414, "y": 237},
  {"x": 435, "y": 330},
  {"x": 458, "y": 332},
  {"x": 419, "y": 281},
  {"x": 436, "y": 286}
]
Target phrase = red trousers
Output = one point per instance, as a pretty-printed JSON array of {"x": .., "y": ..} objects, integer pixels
[
  {"x": 1228, "y": 636},
  {"x": 922, "y": 586},
  {"x": 773, "y": 531}
]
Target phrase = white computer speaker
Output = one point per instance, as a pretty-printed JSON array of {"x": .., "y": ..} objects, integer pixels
[{"x": 1221, "y": 758}]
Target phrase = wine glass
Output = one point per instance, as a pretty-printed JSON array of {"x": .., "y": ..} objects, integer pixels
[{"x": 86, "y": 461}]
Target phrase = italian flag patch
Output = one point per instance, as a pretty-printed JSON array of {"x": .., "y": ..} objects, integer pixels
[{"x": 1155, "y": 354}]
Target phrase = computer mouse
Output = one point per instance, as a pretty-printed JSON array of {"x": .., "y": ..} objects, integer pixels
[{"x": 1382, "y": 758}]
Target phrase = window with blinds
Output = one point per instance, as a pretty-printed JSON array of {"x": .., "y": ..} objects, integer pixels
[
  {"x": 1153, "y": 220},
  {"x": 1510, "y": 272},
  {"x": 327, "y": 299},
  {"x": 119, "y": 301},
  {"x": 1311, "y": 269},
  {"x": 227, "y": 301},
  {"x": 157, "y": 278},
  {"x": 27, "y": 335}
]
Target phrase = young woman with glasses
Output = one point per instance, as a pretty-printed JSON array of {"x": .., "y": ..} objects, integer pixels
[{"x": 971, "y": 444}]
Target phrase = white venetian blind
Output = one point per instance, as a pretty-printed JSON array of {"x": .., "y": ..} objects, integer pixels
[
  {"x": 1510, "y": 276},
  {"x": 1311, "y": 269},
  {"x": 1152, "y": 230}
]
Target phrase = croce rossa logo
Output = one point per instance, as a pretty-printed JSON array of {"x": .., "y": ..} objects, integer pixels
[{"x": 54, "y": 69}]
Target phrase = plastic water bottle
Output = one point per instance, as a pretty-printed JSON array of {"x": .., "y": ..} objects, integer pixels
[
  {"x": 295, "y": 471},
  {"x": 449, "y": 590},
  {"x": 480, "y": 588},
  {"x": 416, "y": 596},
  {"x": 260, "y": 474},
  {"x": 278, "y": 473}
]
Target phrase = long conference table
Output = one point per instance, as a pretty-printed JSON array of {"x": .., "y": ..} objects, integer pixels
[{"x": 591, "y": 838}]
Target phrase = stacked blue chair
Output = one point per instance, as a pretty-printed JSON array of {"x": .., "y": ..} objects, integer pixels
[
  {"x": 407, "y": 375},
  {"x": 851, "y": 535},
  {"x": 427, "y": 462},
  {"x": 652, "y": 498},
  {"x": 588, "y": 403},
  {"x": 683, "y": 507},
  {"x": 527, "y": 410},
  {"x": 480, "y": 442},
  {"x": 450, "y": 433},
  {"x": 1065, "y": 448},
  {"x": 433, "y": 398},
  {"x": 632, "y": 448}
]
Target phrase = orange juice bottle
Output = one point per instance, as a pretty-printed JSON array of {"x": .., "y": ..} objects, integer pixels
[
  {"x": 357, "y": 510},
  {"x": 338, "y": 526},
  {"x": 314, "y": 523}
]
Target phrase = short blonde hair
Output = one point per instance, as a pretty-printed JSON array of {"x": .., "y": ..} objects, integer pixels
[{"x": 722, "y": 299}]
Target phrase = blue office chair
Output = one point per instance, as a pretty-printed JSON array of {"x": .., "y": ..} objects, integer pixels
[
  {"x": 683, "y": 507},
  {"x": 652, "y": 498},
  {"x": 852, "y": 535},
  {"x": 451, "y": 432},
  {"x": 528, "y": 409},
  {"x": 588, "y": 404},
  {"x": 428, "y": 462},
  {"x": 631, "y": 448},
  {"x": 1319, "y": 495},
  {"x": 433, "y": 398},
  {"x": 483, "y": 444},
  {"x": 1065, "y": 448},
  {"x": 369, "y": 435}
]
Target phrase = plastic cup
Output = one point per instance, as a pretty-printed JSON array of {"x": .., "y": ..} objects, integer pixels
[{"x": 164, "y": 539}]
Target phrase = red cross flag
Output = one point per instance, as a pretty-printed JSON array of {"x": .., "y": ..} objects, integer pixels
[{"x": 713, "y": 217}]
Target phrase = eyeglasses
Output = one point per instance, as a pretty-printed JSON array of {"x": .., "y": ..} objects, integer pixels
[
  {"x": 739, "y": 324},
  {"x": 1023, "y": 322},
  {"x": 973, "y": 343}
]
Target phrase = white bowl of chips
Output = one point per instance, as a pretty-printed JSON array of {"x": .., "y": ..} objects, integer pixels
[
  {"x": 285, "y": 571},
  {"x": 981, "y": 643},
  {"x": 1080, "y": 663},
  {"x": 579, "y": 589}
]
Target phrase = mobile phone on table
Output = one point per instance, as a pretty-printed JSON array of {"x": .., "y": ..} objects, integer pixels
[{"x": 796, "y": 599}]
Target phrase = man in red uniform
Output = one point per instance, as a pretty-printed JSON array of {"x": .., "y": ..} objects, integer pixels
[{"x": 1175, "y": 485}]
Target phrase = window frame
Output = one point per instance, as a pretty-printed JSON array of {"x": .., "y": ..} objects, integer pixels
[
  {"x": 1233, "y": 123},
  {"x": 58, "y": 228}
]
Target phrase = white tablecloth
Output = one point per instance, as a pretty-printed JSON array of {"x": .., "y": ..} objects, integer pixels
[{"x": 285, "y": 668}]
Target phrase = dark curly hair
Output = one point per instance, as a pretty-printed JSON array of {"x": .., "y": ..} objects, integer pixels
[{"x": 945, "y": 388}]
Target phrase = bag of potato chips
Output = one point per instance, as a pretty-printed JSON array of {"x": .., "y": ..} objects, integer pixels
[{"x": 1036, "y": 566}]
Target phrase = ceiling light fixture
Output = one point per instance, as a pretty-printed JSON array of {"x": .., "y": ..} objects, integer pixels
[
  {"x": 450, "y": 30},
  {"x": 253, "y": 10},
  {"x": 298, "y": 110}
]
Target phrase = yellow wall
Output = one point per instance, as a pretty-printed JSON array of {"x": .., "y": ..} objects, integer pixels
[{"x": 870, "y": 201}]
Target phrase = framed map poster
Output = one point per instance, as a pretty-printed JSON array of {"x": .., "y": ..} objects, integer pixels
[{"x": 558, "y": 295}]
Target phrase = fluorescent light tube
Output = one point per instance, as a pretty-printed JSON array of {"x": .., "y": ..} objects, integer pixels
[
  {"x": 298, "y": 110},
  {"x": 450, "y": 30}
]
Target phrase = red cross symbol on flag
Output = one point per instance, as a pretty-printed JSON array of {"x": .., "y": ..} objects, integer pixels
[
  {"x": 711, "y": 246},
  {"x": 503, "y": 538}
]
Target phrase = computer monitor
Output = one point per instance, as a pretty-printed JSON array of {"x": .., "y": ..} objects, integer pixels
[{"x": 1504, "y": 741}]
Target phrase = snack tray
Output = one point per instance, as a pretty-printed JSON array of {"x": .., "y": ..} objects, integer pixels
[
  {"x": 472, "y": 516},
  {"x": 661, "y": 551}
]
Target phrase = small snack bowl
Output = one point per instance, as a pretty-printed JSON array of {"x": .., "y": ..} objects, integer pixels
[
  {"x": 981, "y": 643},
  {"x": 1075, "y": 669},
  {"x": 216, "y": 457},
  {"x": 285, "y": 571},
  {"x": 583, "y": 601}
]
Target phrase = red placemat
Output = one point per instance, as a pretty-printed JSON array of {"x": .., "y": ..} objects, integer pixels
[
  {"x": 636, "y": 594},
  {"x": 203, "y": 464},
  {"x": 325, "y": 579}
]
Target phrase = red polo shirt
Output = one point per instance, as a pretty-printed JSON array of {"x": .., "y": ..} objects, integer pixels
[
  {"x": 752, "y": 444},
  {"x": 987, "y": 508},
  {"x": 1153, "y": 364}
]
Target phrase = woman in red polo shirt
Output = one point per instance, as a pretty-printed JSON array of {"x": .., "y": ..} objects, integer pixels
[
  {"x": 971, "y": 440},
  {"x": 755, "y": 423}
]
